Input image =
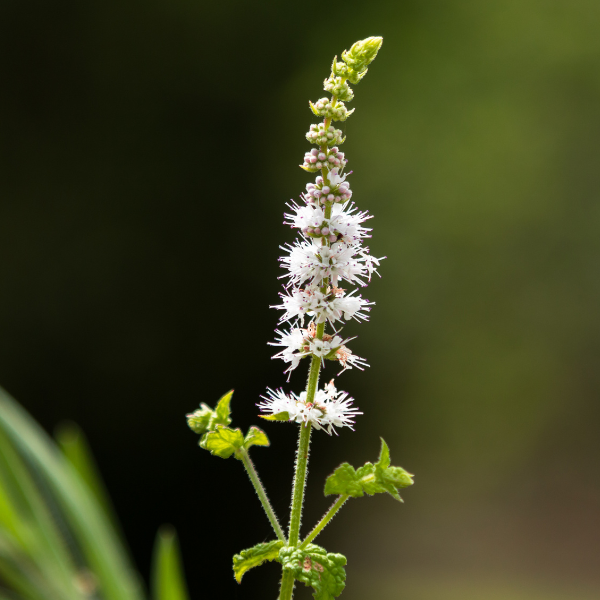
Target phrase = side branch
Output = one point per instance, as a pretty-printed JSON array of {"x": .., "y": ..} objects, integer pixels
[
  {"x": 262, "y": 494},
  {"x": 325, "y": 520}
]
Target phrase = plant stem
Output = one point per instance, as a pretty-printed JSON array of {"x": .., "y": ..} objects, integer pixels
[
  {"x": 262, "y": 494},
  {"x": 299, "y": 484},
  {"x": 286, "y": 590},
  {"x": 287, "y": 580},
  {"x": 325, "y": 520}
]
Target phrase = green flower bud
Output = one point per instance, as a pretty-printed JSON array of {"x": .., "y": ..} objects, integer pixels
[
  {"x": 362, "y": 54},
  {"x": 199, "y": 420}
]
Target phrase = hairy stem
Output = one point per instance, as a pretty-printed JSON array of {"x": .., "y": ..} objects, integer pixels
[
  {"x": 325, "y": 520},
  {"x": 287, "y": 580},
  {"x": 261, "y": 492},
  {"x": 286, "y": 590}
]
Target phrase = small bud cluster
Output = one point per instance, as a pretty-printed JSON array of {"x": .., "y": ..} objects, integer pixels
[
  {"x": 325, "y": 108},
  {"x": 316, "y": 160},
  {"x": 319, "y": 193},
  {"x": 322, "y": 136},
  {"x": 338, "y": 87}
]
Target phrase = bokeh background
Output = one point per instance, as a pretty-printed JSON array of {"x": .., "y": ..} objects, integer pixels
[{"x": 147, "y": 152}]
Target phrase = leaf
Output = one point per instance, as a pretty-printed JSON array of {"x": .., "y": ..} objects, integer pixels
[
  {"x": 255, "y": 556},
  {"x": 168, "y": 581},
  {"x": 370, "y": 478},
  {"x": 73, "y": 443},
  {"x": 316, "y": 568},
  {"x": 94, "y": 535},
  {"x": 256, "y": 437},
  {"x": 206, "y": 419},
  {"x": 223, "y": 411},
  {"x": 282, "y": 416},
  {"x": 222, "y": 442},
  {"x": 390, "y": 478},
  {"x": 344, "y": 481}
]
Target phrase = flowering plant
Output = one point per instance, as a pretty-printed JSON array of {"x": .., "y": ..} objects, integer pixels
[{"x": 329, "y": 252}]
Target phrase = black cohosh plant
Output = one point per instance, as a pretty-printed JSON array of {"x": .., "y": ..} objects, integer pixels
[{"x": 330, "y": 253}]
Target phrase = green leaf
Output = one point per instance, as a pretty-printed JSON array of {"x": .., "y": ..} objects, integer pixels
[
  {"x": 77, "y": 506},
  {"x": 316, "y": 568},
  {"x": 256, "y": 437},
  {"x": 255, "y": 556},
  {"x": 370, "y": 478},
  {"x": 282, "y": 416},
  {"x": 168, "y": 581},
  {"x": 390, "y": 478},
  {"x": 73, "y": 443},
  {"x": 206, "y": 419},
  {"x": 222, "y": 442},
  {"x": 344, "y": 481},
  {"x": 223, "y": 411}
]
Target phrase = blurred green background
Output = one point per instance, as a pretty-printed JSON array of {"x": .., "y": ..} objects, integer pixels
[{"x": 147, "y": 152}]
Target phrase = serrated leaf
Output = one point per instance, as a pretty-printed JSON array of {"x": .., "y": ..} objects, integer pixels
[
  {"x": 222, "y": 442},
  {"x": 168, "y": 581},
  {"x": 344, "y": 481},
  {"x": 282, "y": 416},
  {"x": 370, "y": 478},
  {"x": 255, "y": 556},
  {"x": 316, "y": 568},
  {"x": 256, "y": 437},
  {"x": 206, "y": 419},
  {"x": 222, "y": 411}
]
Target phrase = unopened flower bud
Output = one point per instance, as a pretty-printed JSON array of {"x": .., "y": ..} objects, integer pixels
[{"x": 360, "y": 56}]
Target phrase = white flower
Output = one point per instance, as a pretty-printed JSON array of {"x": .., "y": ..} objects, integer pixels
[
  {"x": 328, "y": 410},
  {"x": 293, "y": 347},
  {"x": 332, "y": 306},
  {"x": 305, "y": 216},
  {"x": 340, "y": 261},
  {"x": 301, "y": 302},
  {"x": 348, "y": 360},
  {"x": 346, "y": 222},
  {"x": 334, "y": 178}
]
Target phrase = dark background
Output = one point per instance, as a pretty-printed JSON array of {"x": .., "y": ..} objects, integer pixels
[{"x": 147, "y": 151}]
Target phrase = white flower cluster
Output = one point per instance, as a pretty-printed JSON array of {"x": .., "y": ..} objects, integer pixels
[
  {"x": 299, "y": 342},
  {"x": 329, "y": 252},
  {"x": 328, "y": 410}
]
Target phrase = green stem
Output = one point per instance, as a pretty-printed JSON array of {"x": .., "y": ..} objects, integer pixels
[
  {"x": 325, "y": 520},
  {"x": 299, "y": 484},
  {"x": 262, "y": 494},
  {"x": 287, "y": 580},
  {"x": 286, "y": 590}
]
